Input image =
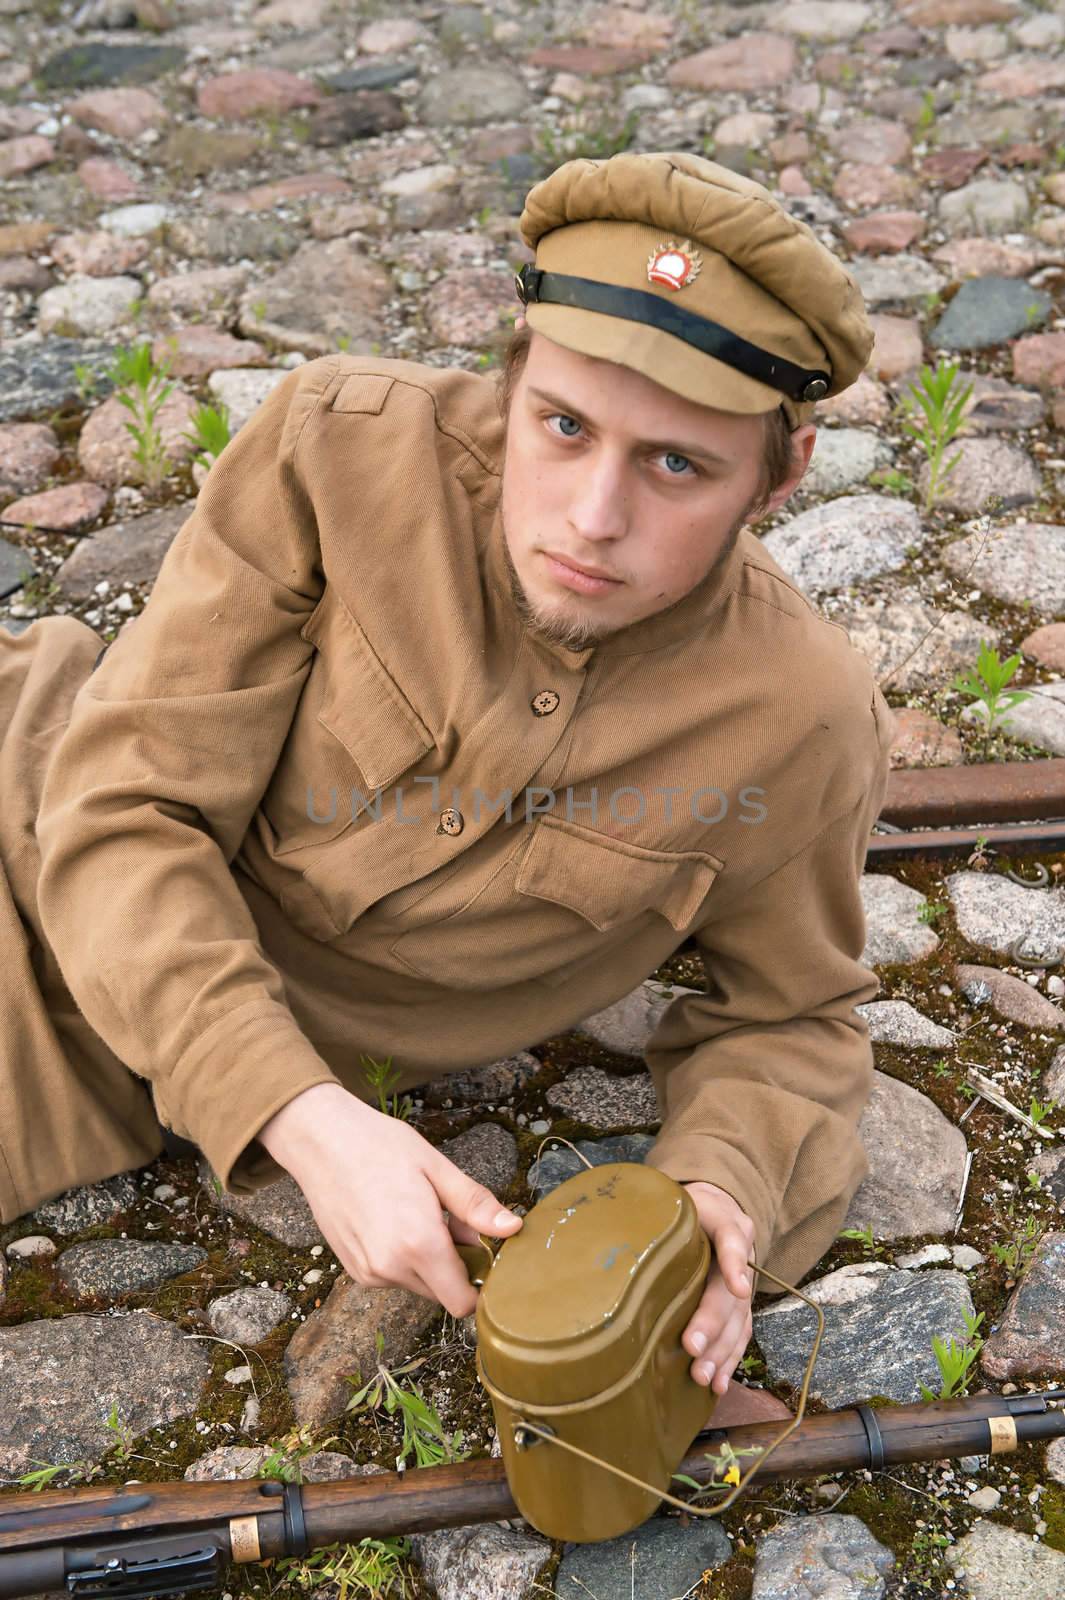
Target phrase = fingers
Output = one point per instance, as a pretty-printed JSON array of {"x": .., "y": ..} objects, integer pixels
[
  {"x": 469, "y": 1202},
  {"x": 733, "y": 1244}
]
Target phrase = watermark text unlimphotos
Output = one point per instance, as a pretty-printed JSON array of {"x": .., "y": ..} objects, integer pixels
[{"x": 624, "y": 806}]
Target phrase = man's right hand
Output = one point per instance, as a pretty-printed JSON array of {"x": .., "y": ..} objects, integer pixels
[{"x": 379, "y": 1191}]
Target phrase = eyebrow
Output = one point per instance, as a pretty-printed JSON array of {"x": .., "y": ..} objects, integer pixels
[{"x": 698, "y": 450}]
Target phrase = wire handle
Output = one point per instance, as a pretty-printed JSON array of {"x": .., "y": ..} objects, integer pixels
[{"x": 522, "y": 1425}]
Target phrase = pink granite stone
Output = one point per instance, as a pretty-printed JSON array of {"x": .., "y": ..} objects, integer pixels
[
  {"x": 792, "y": 180},
  {"x": 923, "y": 741},
  {"x": 864, "y": 184},
  {"x": 25, "y": 154},
  {"x": 750, "y": 61},
  {"x": 865, "y": 403},
  {"x": 872, "y": 141},
  {"x": 953, "y": 167},
  {"x": 66, "y": 510},
  {"x": 107, "y": 180},
  {"x": 195, "y": 352},
  {"x": 985, "y": 258},
  {"x": 236, "y": 95},
  {"x": 97, "y": 255},
  {"x": 28, "y": 453},
  {"x": 123, "y": 113},
  {"x": 105, "y": 448},
  {"x": 884, "y": 232},
  {"x": 944, "y": 13},
  {"x": 598, "y": 61},
  {"x": 1040, "y": 358},
  {"x": 1047, "y": 646},
  {"x": 264, "y": 196},
  {"x": 897, "y": 345},
  {"x": 1020, "y": 80}
]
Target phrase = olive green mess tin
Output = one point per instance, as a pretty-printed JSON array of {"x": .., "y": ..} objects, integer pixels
[{"x": 579, "y": 1324}]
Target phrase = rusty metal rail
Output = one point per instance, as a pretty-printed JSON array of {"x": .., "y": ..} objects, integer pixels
[{"x": 1014, "y": 807}]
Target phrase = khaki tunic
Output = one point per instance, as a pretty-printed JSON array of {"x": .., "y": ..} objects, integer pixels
[{"x": 269, "y": 833}]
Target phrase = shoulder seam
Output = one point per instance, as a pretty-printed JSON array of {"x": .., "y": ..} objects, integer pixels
[{"x": 451, "y": 429}]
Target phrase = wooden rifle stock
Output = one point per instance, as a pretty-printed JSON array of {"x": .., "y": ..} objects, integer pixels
[{"x": 163, "y": 1539}]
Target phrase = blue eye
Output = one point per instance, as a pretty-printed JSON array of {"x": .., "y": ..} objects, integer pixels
[
  {"x": 672, "y": 458},
  {"x": 562, "y": 420}
]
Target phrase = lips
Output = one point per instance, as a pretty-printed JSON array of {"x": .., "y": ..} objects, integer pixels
[{"x": 589, "y": 572}]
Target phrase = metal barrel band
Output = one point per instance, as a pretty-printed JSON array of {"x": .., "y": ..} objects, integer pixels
[
  {"x": 874, "y": 1438},
  {"x": 523, "y": 1425}
]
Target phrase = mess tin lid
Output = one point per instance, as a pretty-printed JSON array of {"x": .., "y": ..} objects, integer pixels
[{"x": 571, "y": 1301}]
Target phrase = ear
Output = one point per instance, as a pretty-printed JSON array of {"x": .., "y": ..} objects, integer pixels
[{"x": 803, "y": 440}]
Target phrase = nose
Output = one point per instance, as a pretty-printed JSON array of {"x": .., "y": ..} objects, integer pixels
[{"x": 599, "y": 507}]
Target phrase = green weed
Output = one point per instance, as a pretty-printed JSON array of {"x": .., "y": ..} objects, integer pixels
[
  {"x": 424, "y": 1435},
  {"x": 210, "y": 433},
  {"x": 987, "y": 684},
  {"x": 142, "y": 386},
  {"x": 941, "y": 404},
  {"x": 382, "y": 1076},
  {"x": 955, "y": 1359}
]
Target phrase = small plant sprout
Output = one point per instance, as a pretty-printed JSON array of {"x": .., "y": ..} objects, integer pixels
[
  {"x": 986, "y": 686},
  {"x": 284, "y": 1460},
  {"x": 941, "y": 1068},
  {"x": 955, "y": 1359},
  {"x": 1033, "y": 1181},
  {"x": 373, "y": 1567},
  {"x": 142, "y": 386},
  {"x": 1039, "y": 1112},
  {"x": 1018, "y": 1252},
  {"x": 941, "y": 405},
  {"x": 930, "y": 911},
  {"x": 424, "y": 1435},
  {"x": 210, "y": 433},
  {"x": 382, "y": 1076},
  {"x": 863, "y": 1235}
]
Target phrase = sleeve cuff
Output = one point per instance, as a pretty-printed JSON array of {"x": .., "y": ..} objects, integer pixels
[
  {"x": 232, "y": 1080},
  {"x": 698, "y": 1158}
]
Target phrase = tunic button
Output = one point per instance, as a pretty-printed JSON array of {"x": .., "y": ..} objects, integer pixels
[
  {"x": 544, "y": 703},
  {"x": 451, "y": 821}
]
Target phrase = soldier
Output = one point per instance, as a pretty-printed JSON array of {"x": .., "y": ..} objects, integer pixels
[{"x": 456, "y": 708}]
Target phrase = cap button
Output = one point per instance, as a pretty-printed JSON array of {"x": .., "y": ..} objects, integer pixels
[{"x": 816, "y": 389}]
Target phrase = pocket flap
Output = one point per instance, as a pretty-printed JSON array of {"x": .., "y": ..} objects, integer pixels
[
  {"x": 361, "y": 703},
  {"x": 364, "y": 391},
  {"x": 608, "y": 880}
]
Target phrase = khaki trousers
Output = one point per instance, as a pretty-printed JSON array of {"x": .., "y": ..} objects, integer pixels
[{"x": 70, "y": 1111}]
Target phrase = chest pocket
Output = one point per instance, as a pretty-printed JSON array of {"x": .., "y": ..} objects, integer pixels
[
  {"x": 354, "y": 731},
  {"x": 564, "y": 897}
]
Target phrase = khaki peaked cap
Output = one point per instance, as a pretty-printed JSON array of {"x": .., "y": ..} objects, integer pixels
[{"x": 754, "y": 269}]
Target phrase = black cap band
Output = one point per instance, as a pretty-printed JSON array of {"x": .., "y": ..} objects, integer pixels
[{"x": 636, "y": 305}]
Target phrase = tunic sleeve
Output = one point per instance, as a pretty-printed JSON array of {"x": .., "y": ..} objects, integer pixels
[
  {"x": 170, "y": 745},
  {"x": 763, "y": 1078}
]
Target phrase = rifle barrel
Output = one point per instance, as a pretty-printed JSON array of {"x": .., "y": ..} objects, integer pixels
[{"x": 161, "y": 1538}]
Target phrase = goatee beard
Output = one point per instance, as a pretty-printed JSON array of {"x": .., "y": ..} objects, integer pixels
[{"x": 579, "y": 634}]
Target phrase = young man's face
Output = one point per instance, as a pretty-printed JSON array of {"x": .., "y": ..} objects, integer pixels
[{"x": 608, "y": 470}]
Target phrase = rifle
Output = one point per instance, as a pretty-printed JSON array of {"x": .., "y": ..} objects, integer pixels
[{"x": 167, "y": 1539}]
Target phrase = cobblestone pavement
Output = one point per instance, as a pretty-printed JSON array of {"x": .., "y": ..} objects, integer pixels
[{"x": 247, "y": 187}]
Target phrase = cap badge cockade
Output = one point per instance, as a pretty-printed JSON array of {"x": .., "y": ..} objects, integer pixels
[{"x": 675, "y": 265}]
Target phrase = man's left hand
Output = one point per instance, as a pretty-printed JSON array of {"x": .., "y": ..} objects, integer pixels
[{"x": 720, "y": 1328}]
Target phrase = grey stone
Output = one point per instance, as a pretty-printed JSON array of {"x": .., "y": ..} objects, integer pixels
[
  {"x": 107, "y": 1269},
  {"x": 998, "y": 406},
  {"x": 362, "y": 114},
  {"x": 895, "y": 280},
  {"x": 930, "y": 69},
  {"x": 897, "y": 1022},
  {"x": 909, "y": 644},
  {"x": 988, "y": 469},
  {"x": 894, "y": 934},
  {"x": 916, "y": 1164},
  {"x": 60, "y": 1378},
  {"x": 600, "y": 1100},
  {"x": 486, "y": 1153},
  {"x": 324, "y": 293},
  {"x": 87, "y": 306},
  {"x": 1026, "y": 563},
  {"x": 626, "y": 1026},
  {"x": 37, "y": 376},
  {"x": 1039, "y": 720},
  {"x": 1028, "y": 1339},
  {"x": 467, "y": 95},
  {"x": 1001, "y": 1563},
  {"x": 280, "y": 1209},
  {"x": 662, "y": 1556},
  {"x": 248, "y": 1316},
  {"x": 16, "y": 567},
  {"x": 1054, "y": 1078},
  {"x": 236, "y": 1462},
  {"x": 929, "y": 1255},
  {"x": 87, "y": 66},
  {"x": 990, "y": 124},
  {"x": 130, "y": 551},
  {"x": 484, "y": 1085},
  {"x": 242, "y": 390},
  {"x": 136, "y": 221},
  {"x": 465, "y": 25},
  {"x": 846, "y": 541},
  {"x": 991, "y": 911},
  {"x": 879, "y": 1324},
  {"x": 821, "y": 19},
  {"x": 231, "y": 238},
  {"x": 89, "y": 1207},
  {"x": 556, "y": 1165},
  {"x": 844, "y": 457},
  {"x": 373, "y": 75},
  {"x": 833, "y": 1557},
  {"x": 985, "y": 206},
  {"x": 481, "y": 1562},
  {"x": 339, "y": 1340},
  {"x": 1051, "y": 1169},
  {"x": 985, "y": 311}
]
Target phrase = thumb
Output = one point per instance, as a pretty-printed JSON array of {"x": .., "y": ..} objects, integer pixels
[{"x": 471, "y": 1202}]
